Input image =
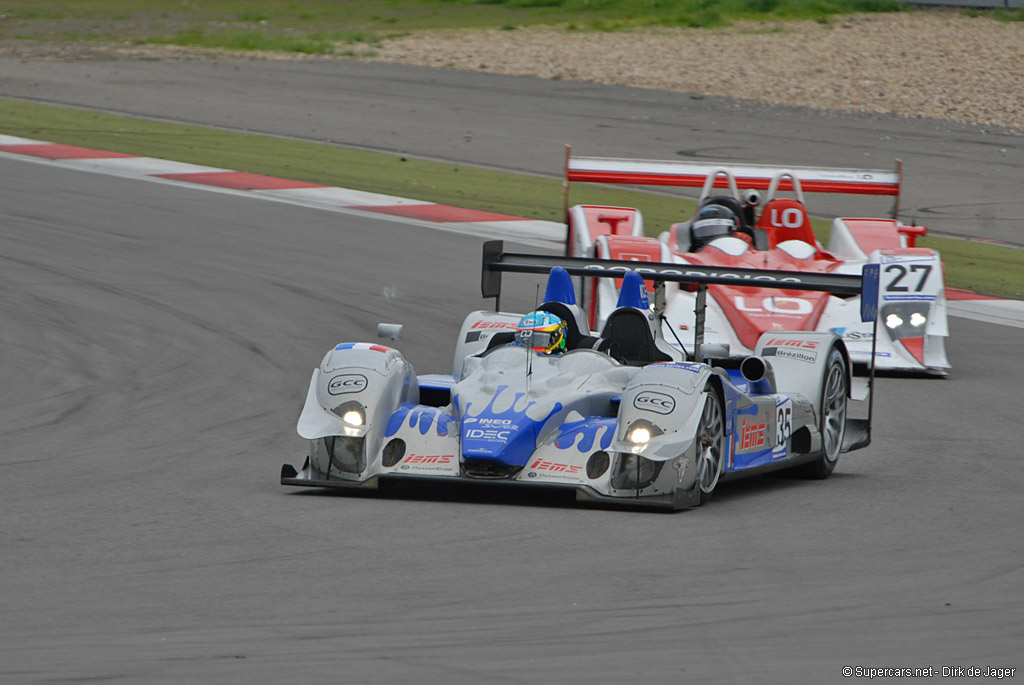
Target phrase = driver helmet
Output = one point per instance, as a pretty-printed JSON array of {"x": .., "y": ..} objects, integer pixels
[
  {"x": 543, "y": 332},
  {"x": 712, "y": 221}
]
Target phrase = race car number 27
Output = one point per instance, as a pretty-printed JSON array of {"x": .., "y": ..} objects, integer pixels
[{"x": 896, "y": 285}]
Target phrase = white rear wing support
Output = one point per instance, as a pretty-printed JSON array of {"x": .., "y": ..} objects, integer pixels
[{"x": 681, "y": 174}]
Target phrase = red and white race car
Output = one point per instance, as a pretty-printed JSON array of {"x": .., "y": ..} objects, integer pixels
[{"x": 739, "y": 229}]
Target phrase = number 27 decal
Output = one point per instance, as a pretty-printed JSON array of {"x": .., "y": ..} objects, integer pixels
[{"x": 894, "y": 286}]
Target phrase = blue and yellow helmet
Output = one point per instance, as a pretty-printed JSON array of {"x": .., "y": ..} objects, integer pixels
[{"x": 543, "y": 332}]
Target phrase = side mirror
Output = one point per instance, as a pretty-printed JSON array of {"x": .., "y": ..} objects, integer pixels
[{"x": 390, "y": 330}]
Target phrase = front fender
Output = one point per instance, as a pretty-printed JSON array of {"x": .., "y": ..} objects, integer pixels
[{"x": 669, "y": 400}]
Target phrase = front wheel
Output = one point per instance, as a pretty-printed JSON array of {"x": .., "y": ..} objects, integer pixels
[{"x": 710, "y": 446}]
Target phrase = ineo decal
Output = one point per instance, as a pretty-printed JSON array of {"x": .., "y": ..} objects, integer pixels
[
  {"x": 656, "y": 402},
  {"x": 346, "y": 383},
  {"x": 498, "y": 423}
]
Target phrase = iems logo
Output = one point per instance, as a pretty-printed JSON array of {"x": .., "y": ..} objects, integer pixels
[
  {"x": 542, "y": 465},
  {"x": 429, "y": 459},
  {"x": 657, "y": 402},
  {"x": 803, "y": 344},
  {"x": 752, "y": 436},
  {"x": 505, "y": 325},
  {"x": 345, "y": 383}
]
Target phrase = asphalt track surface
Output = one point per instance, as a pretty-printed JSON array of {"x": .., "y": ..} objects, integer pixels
[{"x": 155, "y": 348}]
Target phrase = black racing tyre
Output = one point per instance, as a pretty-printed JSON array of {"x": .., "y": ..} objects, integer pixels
[
  {"x": 832, "y": 413},
  {"x": 710, "y": 442}
]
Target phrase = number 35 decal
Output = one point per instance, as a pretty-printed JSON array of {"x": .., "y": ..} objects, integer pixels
[
  {"x": 783, "y": 422},
  {"x": 894, "y": 286}
]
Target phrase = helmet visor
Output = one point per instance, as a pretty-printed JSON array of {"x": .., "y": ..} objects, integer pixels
[
  {"x": 540, "y": 341},
  {"x": 705, "y": 229}
]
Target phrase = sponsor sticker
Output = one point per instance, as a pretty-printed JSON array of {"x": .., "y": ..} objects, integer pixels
[
  {"x": 786, "y": 342},
  {"x": 751, "y": 436},
  {"x": 429, "y": 459},
  {"x": 694, "y": 368},
  {"x": 657, "y": 402},
  {"x": 503, "y": 325},
  {"x": 346, "y": 383},
  {"x": 489, "y": 434},
  {"x": 800, "y": 355},
  {"x": 544, "y": 465}
]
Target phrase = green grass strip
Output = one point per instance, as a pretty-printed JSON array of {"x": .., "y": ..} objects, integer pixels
[{"x": 974, "y": 266}]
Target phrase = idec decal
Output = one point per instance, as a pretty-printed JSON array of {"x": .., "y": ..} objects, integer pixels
[
  {"x": 751, "y": 436},
  {"x": 429, "y": 459},
  {"x": 543, "y": 465},
  {"x": 488, "y": 434},
  {"x": 503, "y": 325},
  {"x": 804, "y": 344}
]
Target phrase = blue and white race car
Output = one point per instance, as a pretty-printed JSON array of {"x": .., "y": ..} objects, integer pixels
[{"x": 620, "y": 416}]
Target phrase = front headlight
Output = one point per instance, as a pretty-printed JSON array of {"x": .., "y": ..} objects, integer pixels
[
  {"x": 640, "y": 434},
  {"x": 353, "y": 417},
  {"x": 905, "y": 319}
]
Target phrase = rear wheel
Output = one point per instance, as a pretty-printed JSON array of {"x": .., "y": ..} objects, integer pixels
[
  {"x": 832, "y": 417},
  {"x": 710, "y": 446}
]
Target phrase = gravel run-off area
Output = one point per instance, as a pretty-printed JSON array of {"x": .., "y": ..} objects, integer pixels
[
  {"x": 940, "y": 64},
  {"x": 935, "y": 63}
]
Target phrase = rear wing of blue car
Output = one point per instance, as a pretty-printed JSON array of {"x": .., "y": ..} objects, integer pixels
[{"x": 496, "y": 262}]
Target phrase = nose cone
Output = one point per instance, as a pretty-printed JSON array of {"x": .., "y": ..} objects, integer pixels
[{"x": 507, "y": 444}]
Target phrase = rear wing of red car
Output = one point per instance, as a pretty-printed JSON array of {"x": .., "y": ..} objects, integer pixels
[{"x": 683, "y": 174}]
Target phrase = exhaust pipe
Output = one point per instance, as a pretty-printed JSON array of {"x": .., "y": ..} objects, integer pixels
[{"x": 759, "y": 374}]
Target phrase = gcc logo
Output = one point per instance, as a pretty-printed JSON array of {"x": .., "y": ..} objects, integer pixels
[
  {"x": 346, "y": 383},
  {"x": 657, "y": 402}
]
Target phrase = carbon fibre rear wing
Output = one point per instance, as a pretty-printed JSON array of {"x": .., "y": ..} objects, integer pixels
[
  {"x": 682, "y": 174},
  {"x": 496, "y": 261}
]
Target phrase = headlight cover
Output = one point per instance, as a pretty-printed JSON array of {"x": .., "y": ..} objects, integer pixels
[{"x": 905, "y": 319}]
